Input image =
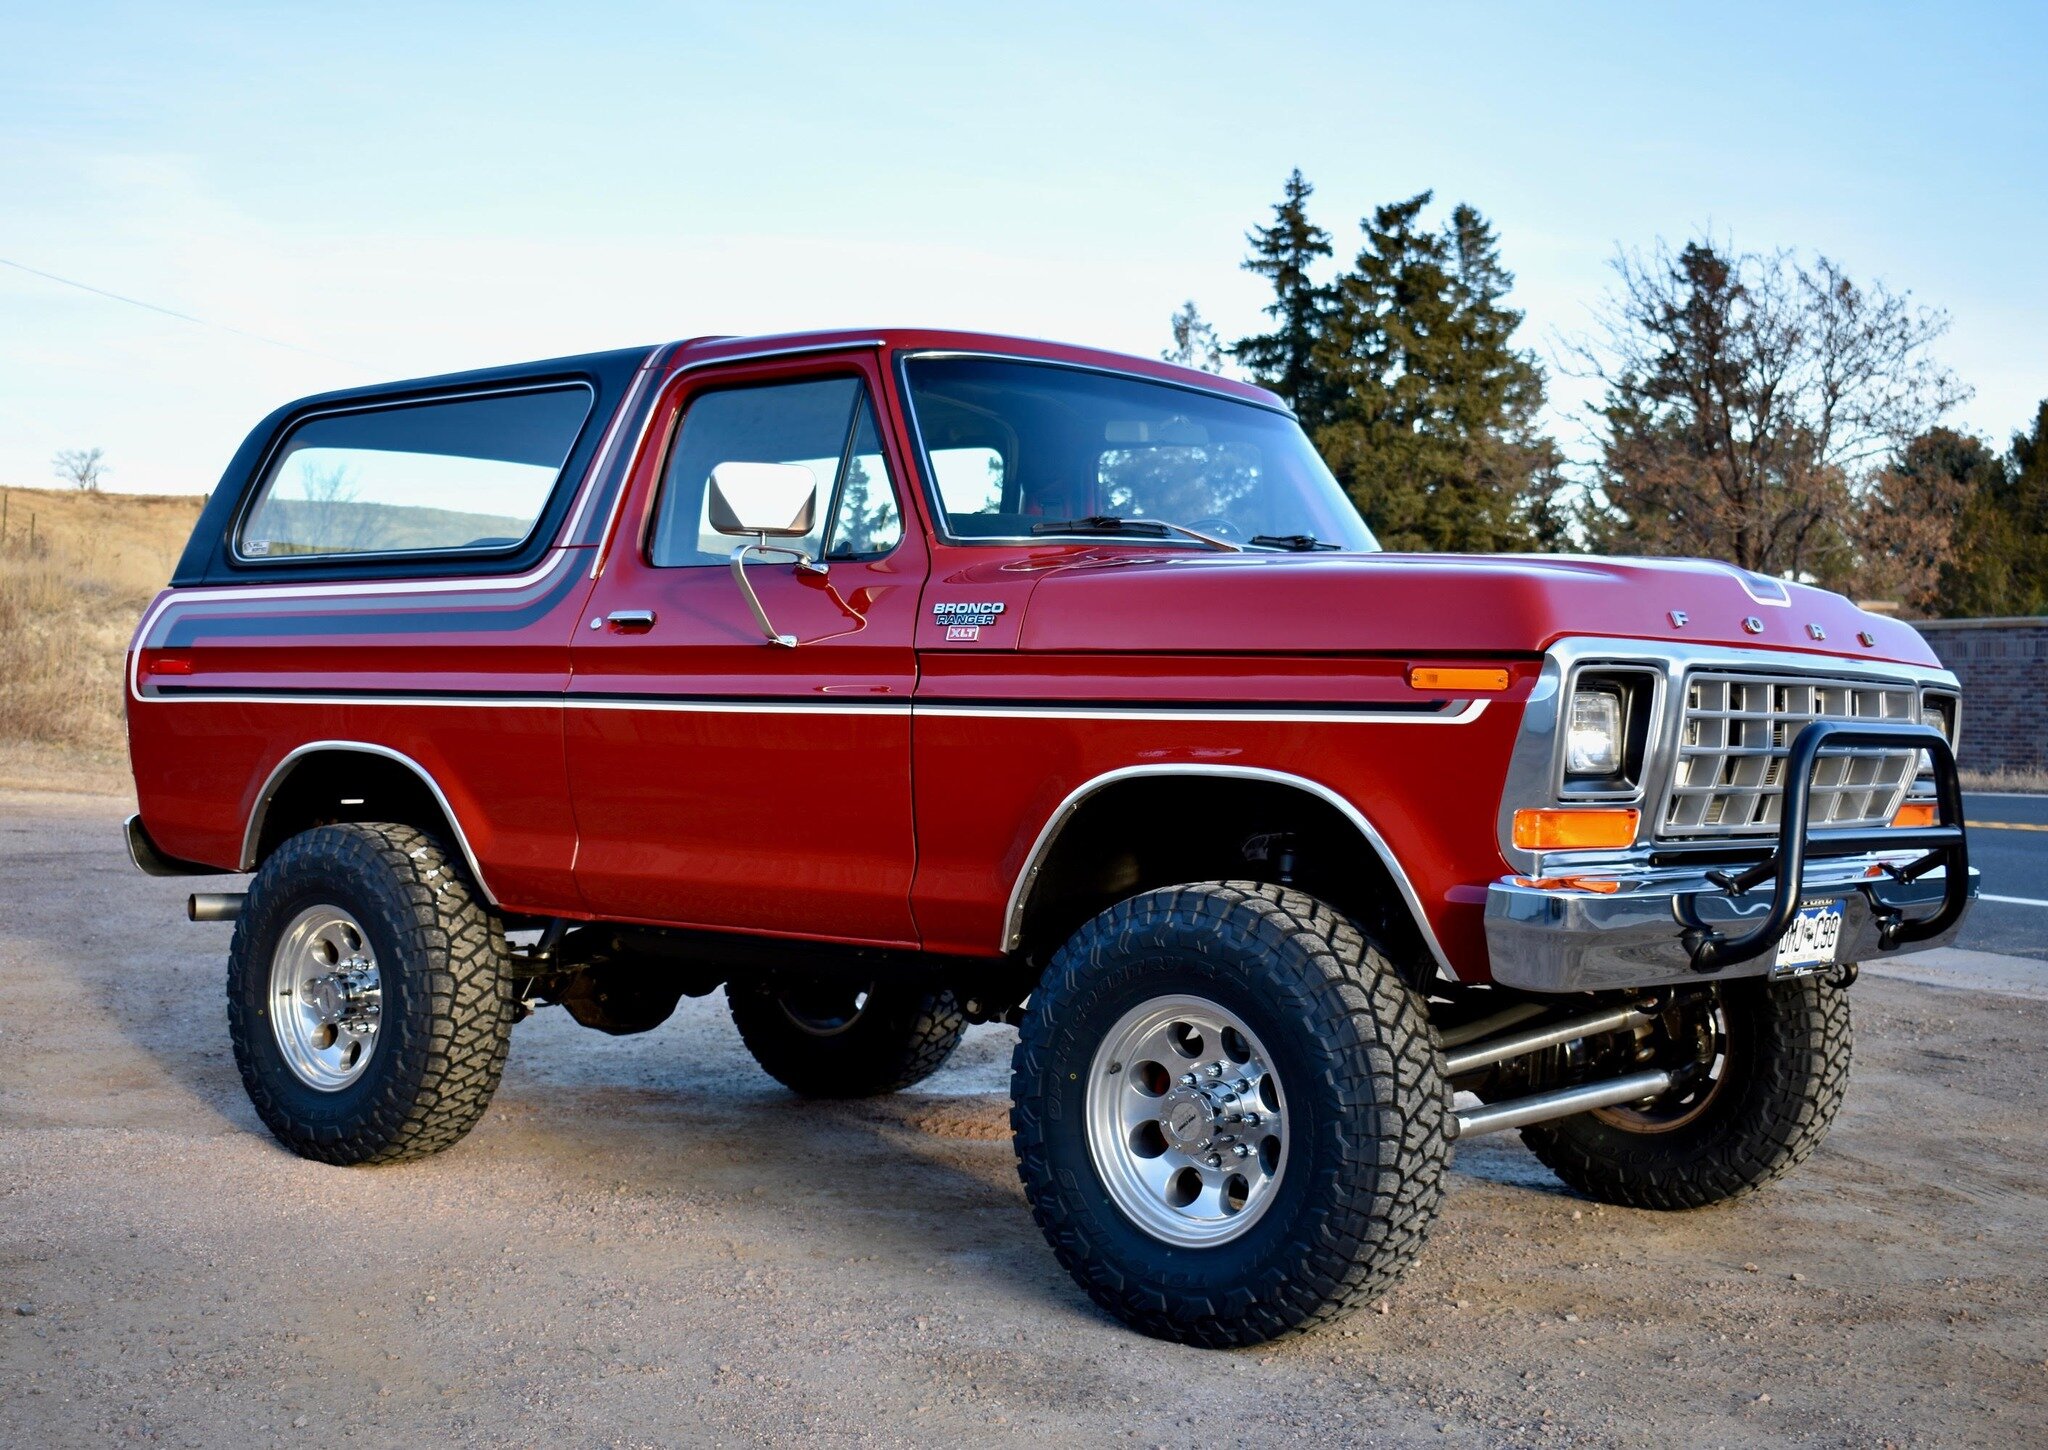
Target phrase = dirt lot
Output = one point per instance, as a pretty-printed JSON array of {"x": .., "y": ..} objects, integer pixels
[{"x": 647, "y": 1242}]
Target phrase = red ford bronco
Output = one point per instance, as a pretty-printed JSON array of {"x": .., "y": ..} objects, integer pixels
[{"x": 897, "y": 681}]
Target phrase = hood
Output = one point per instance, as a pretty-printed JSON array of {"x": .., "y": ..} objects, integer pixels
[{"x": 1433, "y": 603}]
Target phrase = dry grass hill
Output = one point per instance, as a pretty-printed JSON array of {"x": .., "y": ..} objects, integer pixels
[{"x": 76, "y": 571}]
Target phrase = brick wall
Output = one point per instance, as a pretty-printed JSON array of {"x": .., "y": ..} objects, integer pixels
[{"x": 2003, "y": 666}]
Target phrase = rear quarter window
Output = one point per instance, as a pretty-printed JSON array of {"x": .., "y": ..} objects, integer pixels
[{"x": 448, "y": 475}]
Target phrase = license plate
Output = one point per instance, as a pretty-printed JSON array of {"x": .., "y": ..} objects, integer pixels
[{"x": 1811, "y": 939}]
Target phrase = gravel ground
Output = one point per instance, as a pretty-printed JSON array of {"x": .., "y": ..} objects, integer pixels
[{"x": 647, "y": 1242}]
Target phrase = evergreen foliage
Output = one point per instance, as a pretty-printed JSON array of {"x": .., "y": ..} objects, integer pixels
[
  {"x": 1912, "y": 520},
  {"x": 1285, "y": 254},
  {"x": 1404, "y": 372},
  {"x": 2000, "y": 560},
  {"x": 1432, "y": 410}
]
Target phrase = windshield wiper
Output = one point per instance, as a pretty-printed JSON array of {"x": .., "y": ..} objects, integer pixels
[
  {"x": 1294, "y": 543},
  {"x": 1143, "y": 528}
]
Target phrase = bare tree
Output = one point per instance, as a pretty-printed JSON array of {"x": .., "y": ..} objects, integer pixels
[
  {"x": 1751, "y": 402},
  {"x": 82, "y": 468},
  {"x": 1194, "y": 341},
  {"x": 335, "y": 520}
]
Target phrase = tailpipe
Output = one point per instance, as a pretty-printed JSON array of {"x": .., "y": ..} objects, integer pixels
[
  {"x": 215, "y": 905},
  {"x": 1563, "y": 1103}
]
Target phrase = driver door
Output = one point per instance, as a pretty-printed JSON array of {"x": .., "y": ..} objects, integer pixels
[{"x": 721, "y": 780}]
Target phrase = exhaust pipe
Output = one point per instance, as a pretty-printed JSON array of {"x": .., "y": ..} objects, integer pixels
[
  {"x": 1500, "y": 1021},
  {"x": 1521, "y": 1044},
  {"x": 214, "y": 905},
  {"x": 1563, "y": 1103}
]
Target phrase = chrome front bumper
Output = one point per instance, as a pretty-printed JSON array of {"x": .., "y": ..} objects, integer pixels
[{"x": 1564, "y": 939}]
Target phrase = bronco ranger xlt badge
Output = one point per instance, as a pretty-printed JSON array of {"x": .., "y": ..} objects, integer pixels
[{"x": 616, "y": 678}]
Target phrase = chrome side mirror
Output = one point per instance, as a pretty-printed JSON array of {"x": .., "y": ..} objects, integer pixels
[{"x": 767, "y": 501}]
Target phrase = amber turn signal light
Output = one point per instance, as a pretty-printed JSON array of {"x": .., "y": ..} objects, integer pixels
[
  {"x": 1581, "y": 829},
  {"x": 1432, "y": 677},
  {"x": 1915, "y": 813}
]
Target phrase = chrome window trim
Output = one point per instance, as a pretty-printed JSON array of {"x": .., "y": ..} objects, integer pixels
[
  {"x": 1049, "y": 833},
  {"x": 253, "y": 832},
  {"x": 608, "y": 450},
  {"x": 603, "y": 548},
  {"x": 271, "y": 458},
  {"x": 1533, "y": 762}
]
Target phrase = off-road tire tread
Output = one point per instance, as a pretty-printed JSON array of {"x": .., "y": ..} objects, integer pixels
[
  {"x": 1371, "y": 1221},
  {"x": 907, "y": 1039},
  {"x": 1802, "y": 1075},
  {"x": 451, "y": 1052}
]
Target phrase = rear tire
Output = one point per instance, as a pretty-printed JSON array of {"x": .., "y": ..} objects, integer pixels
[
  {"x": 840, "y": 1040},
  {"x": 367, "y": 1000},
  {"x": 1784, "y": 1051},
  {"x": 1255, "y": 1017}
]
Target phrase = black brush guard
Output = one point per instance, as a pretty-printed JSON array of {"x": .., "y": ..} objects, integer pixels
[{"x": 1943, "y": 844}]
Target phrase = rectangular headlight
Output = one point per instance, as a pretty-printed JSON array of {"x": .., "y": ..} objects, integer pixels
[{"x": 1594, "y": 743}]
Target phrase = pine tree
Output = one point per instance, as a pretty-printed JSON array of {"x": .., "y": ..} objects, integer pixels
[
  {"x": 1432, "y": 411},
  {"x": 1285, "y": 254},
  {"x": 1911, "y": 519},
  {"x": 2000, "y": 564}
]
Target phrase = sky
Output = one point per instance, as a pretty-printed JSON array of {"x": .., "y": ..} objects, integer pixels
[{"x": 396, "y": 190}]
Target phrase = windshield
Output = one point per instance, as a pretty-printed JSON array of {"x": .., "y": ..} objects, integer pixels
[{"x": 1013, "y": 448}]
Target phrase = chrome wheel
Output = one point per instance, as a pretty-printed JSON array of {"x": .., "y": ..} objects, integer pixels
[
  {"x": 1187, "y": 1122},
  {"x": 326, "y": 997}
]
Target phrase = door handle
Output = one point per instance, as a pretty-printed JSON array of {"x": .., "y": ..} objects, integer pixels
[{"x": 630, "y": 621}]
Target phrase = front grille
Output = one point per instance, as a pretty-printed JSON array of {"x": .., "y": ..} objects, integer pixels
[{"x": 1737, "y": 728}]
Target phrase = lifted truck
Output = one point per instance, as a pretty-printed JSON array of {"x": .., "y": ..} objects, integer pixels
[{"x": 896, "y": 681}]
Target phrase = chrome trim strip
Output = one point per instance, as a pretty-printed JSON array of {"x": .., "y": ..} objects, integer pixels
[
  {"x": 607, "y": 451},
  {"x": 1470, "y": 711},
  {"x": 604, "y": 538},
  {"x": 1048, "y": 834},
  {"x": 1467, "y": 712},
  {"x": 254, "y": 831},
  {"x": 549, "y": 702}
]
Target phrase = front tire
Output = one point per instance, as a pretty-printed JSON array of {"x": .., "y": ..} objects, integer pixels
[
  {"x": 844, "y": 1039},
  {"x": 367, "y": 1000},
  {"x": 1184, "y": 1024},
  {"x": 1772, "y": 1064}
]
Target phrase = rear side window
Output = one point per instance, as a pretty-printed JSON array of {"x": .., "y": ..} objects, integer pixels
[{"x": 441, "y": 476}]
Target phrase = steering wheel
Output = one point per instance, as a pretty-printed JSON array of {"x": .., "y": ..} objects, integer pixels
[{"x": 1215, "y": 525}]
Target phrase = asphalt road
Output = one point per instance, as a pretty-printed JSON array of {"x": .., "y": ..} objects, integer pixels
[{"x": 2009, "y": 845}]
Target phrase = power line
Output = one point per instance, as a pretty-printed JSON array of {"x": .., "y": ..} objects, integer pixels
[{"x": 181, "y": 316}]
